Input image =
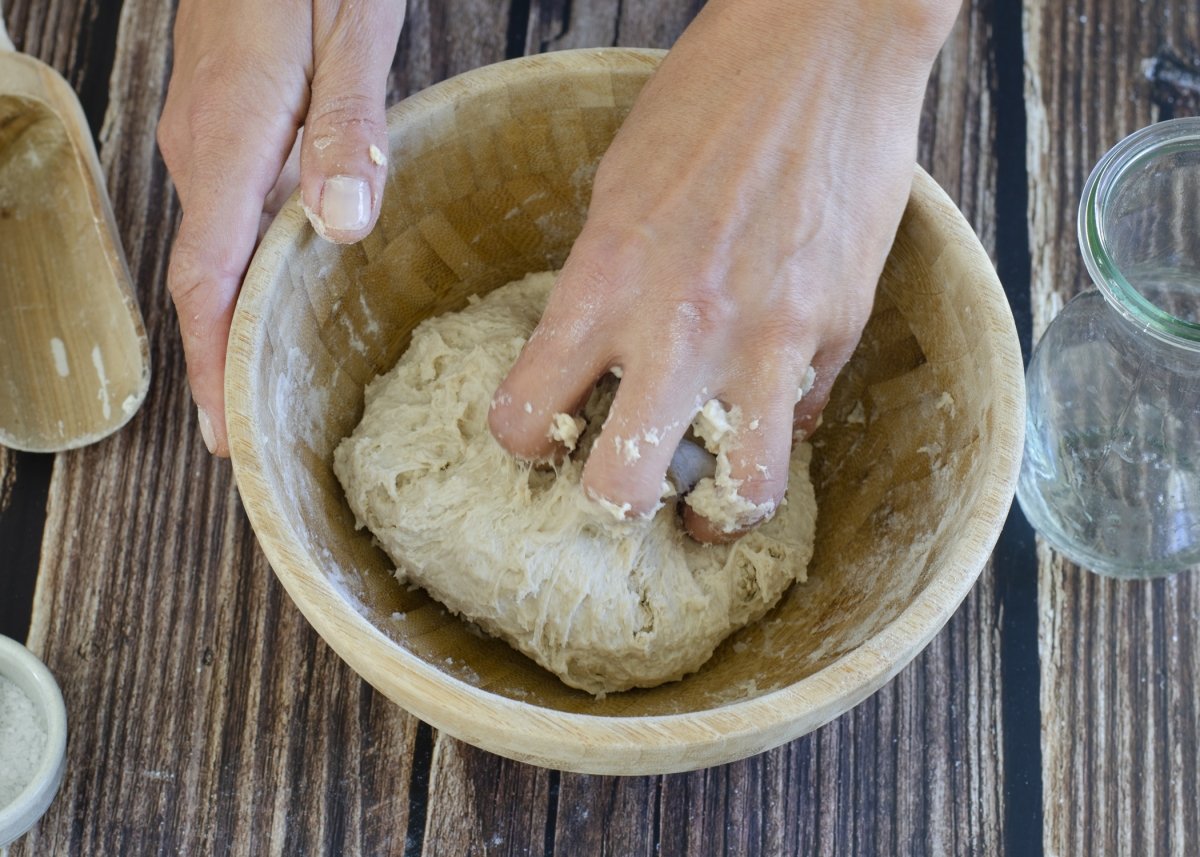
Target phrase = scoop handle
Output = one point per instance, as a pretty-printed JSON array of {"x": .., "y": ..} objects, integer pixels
[{"x": 5, "y": 42}]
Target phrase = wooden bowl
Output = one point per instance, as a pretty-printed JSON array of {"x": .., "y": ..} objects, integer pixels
[{"x": 915, "y": 464}]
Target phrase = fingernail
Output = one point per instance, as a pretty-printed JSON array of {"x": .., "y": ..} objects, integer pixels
[
  {"x": 206, "y": 430},
  {"x": 345, "y": 203}
]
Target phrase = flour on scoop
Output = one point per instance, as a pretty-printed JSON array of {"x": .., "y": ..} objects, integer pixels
[{"x": 604, "y": 604}]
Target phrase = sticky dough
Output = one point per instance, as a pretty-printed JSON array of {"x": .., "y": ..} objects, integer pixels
[{"x": 604, "y": 604}]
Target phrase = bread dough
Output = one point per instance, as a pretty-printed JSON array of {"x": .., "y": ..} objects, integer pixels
[{"x": 605, "y": 604}]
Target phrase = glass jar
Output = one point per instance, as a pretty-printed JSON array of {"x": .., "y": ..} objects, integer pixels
[{"x": 1111, "y": 473}]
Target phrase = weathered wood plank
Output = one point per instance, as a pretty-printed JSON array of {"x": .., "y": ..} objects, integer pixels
[
  {"x": 481, "y": 804},
  {"x": 206, "y": 716},
  {"x": 559, "y": 25},
  {"x": 442, "y": 38},
  {"x": 77, "y": 37},
  {"x": 24, "y": 483},
  {"x": 556, "y": 25},
  {"x": 611, "y": 815},
  {"x": 1120, "y": 661}
]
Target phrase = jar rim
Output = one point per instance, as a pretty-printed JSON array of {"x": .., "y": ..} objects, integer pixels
[{"x": 1153, "y": 141}]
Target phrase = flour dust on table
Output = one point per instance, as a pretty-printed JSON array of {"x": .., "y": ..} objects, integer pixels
[{"x": 605, "y": 602}]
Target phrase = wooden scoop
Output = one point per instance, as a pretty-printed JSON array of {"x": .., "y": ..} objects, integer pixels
[{"x": 74, "y": 360}]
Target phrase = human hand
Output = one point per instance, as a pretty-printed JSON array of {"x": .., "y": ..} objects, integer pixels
[
  {"x": 246, "y": 77},
  {"x": 738, "y": 226}
]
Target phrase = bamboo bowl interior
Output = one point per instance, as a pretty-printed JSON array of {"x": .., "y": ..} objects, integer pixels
[{"x": 489, "y": 180}]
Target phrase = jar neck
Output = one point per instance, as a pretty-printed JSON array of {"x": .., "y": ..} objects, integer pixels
[{"x": 1121, "y": 294}]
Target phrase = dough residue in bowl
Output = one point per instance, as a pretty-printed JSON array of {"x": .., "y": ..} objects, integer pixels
[{"x": 604, "y": 604}]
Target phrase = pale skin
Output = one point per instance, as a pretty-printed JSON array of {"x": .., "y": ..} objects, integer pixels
[{"x": 738, "y": 226}]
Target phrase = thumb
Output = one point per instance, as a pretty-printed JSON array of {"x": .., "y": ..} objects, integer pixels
[{"x": 343, "y": 159}]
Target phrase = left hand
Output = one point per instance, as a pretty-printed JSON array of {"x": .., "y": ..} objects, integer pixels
[{"x": 245, "y": 77}]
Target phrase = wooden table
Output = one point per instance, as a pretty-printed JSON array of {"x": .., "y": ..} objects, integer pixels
[{"x": 1057, "y": 713}]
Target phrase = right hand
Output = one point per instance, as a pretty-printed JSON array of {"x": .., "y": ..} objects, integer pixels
[
  {"x": 737, "y": 229},
  {"x": 246, "y": 78}
]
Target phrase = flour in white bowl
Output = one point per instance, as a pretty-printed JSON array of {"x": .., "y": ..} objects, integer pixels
[{"x": 22, "y": 741}]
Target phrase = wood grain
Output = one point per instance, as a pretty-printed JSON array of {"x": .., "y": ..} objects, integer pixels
[
  {"x": 1120, "y": 660},
  {"x": 442, "y": 38},
  {"x": 480, "y": 803},
  {"x": 24, "y": 483}
]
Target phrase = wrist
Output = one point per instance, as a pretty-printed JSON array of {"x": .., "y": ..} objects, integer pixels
[{"x": 901, "y": 34}]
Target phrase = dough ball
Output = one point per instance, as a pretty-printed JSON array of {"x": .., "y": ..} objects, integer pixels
[{"x": 604, "y": 604}]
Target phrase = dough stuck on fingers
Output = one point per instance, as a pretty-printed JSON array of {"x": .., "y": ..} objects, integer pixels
[
  {"x": 605, "y": 604},
  {"x": 717, "y": 497},
  {"x": 566, "y": 429}
]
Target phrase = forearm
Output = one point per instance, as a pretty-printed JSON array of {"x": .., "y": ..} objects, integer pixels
[{"x": 778, "y": 41}]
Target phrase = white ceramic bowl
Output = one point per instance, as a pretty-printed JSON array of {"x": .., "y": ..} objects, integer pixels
[{"x": 22, "y": 668}]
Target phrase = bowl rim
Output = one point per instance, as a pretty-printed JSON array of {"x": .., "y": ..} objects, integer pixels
[
  {"x": 615, "y": 744},
  {"x": 25, "y": 670}
]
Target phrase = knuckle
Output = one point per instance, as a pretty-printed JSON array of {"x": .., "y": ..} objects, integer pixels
[
  {"x": 211, "y": 240},
  {"x": 517, "y": 432},
  {"x": 761, "y": 457},
  {"x": 586, "y": 300},
  {"x": 705, "y": 312},
  {"x": 764, "y": 483},
  {"x": 224, "y": 88},
  {"x": 200, "y": 298},
  {"x": 608, "y": 479},
  {"x": 695, "y": 323},
  {"x": 344, "y": 112},
  {"x": 184, "y": 262},
  {"x": 186, "y": 281},
  {"x": 586, "y": 282},
  {"x": 607, "y": 270}
]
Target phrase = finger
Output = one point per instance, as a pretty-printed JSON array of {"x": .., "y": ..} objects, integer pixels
[
  {"x": 343, "y": 159},
  {"x": 229, "y": 177},
  {"x": 554, "y": 375},
  {"x": 626, "y": 469},
  {"x": 752, "y": 475},
  {"x": 814, "y": 396}
]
